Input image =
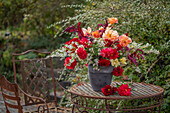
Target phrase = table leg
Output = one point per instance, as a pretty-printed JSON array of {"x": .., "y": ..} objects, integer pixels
[{"x": 73, "y": 109}]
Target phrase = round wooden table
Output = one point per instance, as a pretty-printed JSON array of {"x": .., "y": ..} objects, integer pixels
[{"x": 144, "y": 97}]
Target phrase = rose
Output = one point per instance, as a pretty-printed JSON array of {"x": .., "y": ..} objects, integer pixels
[
  {"x": 73, "y": 64},
  {"x": 81, "y": 53},
  {"x": 96, "y": 34},
  {"x": 104, "y": 62},
  {"x": 107, "y": 90},
  {"x": 111, "y": 35},
  {"x": 124, "y": 90},
  {"x": 113, "y": 20},
  {"x": 117, "y": 71},
  {"x": 124, "y": 40}
]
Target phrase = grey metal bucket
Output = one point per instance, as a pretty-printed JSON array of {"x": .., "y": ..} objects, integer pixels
[{"x": 99, "y": 79}]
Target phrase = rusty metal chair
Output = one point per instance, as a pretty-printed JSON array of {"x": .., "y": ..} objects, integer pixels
[
  {"x": 12, "y": 87},
  {"x": 10, "y": 93},
  {"x": 35, "y": 75}
]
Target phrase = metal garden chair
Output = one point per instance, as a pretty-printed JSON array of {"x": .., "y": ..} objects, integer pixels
[
  {"x": 10, "y": 93},
  {"x": 35, "y": 75}
]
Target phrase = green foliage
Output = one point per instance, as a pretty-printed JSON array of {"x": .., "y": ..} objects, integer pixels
[
  {"x": 11, "y": 12},
  {"x": 34, "y": 15},
  {"x": 24, "y": 26}
]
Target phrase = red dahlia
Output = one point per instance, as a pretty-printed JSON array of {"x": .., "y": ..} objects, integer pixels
[
  {"x": 81, "y": 53},
  {"x": 113, "y": 54},
  {"x": 104, "y": 62},
  {"x": 107, "y": 90},
  {"x": 73, "y": 64},
  {"x": 117, "y": 71},
  {"x": 124, "y": 90},
  {"x": 84, "y": 42},
  {"x": 109, "y": 53}
]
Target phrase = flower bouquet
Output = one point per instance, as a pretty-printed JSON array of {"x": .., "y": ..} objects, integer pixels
[{"x": 104, "y": 51}]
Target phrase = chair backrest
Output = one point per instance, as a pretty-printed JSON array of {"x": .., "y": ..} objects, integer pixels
[
  {"x": 10, "y": 93},
  {"x": 35, "y": 77}
]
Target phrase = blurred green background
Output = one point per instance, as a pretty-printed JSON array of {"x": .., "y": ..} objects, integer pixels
[{"x": 38, "y": 24}]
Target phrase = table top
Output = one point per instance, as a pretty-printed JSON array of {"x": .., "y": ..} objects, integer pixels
[{"x": 140, "y": 90}]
